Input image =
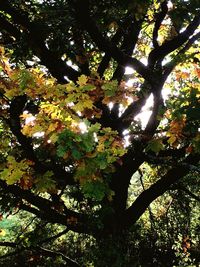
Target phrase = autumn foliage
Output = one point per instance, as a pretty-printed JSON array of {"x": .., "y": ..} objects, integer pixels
[{"x": 73, "y": 136}]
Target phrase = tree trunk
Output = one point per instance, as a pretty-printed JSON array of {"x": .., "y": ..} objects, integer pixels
[
  {"x": 113, "y": 251},
  {"x": 130, "y": 249}
]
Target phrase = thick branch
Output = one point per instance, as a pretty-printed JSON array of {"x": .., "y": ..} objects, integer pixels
[
  {"x": 178, "y": 58},
  {"x": 153, "y": 120},
  {"x": 45, "y": 209},
  {"x": 9, "y": 28},
  {"x": 81, "y": 58},
  {"x": 165, "y": 157},
  {"x": 121, "y": 180},
  {"x": 135, "y": 108},
  {"x": 57, "y": 67},
  {"x": 35, "y": 38},
  {"x": 107, "y": 57},
  {"x": 158, "y": 53},
  {"x": 128, "y": 45},
  {"x": 130, "y": 40},
  {"x": 134, "y": 212},
  {"x": 19, "y": 18},
  {"x": 159, "y": 18},
  {"x": 83, "y": 16},
  {"x": 133, "y": 159},
  {"x": 115, "y": 39}
]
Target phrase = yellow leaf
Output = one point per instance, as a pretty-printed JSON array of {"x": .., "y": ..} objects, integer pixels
[
  {"x": 70, "y": 87},
  {"x": 52, "y": 127},
  {"x": 53, "y": 138},
  {"x": 27, "y": 130},
  {"x": 2, "y": 232},
  {"x": 172, "y": 139},
  {"x": 88, "y": 104},
  {"x": 100, "y": 147},
  {"x": 82, "y": 80},
  {"x": 12, "y": 93}
]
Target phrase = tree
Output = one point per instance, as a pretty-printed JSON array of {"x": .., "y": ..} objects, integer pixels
[{"x": 67, "y": 111}]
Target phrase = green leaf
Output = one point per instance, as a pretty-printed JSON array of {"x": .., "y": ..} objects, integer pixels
[
  {"x": 45, "y": 182},
  {"x": 14, "y": 171},
  {"x": 95, "y": 190},
  {"x": 61, "y": 151},
  {"x": 110, "y": 88},
  {"x": 87, "y": 87},
  {"x": 155, "y": 145},
  {"x": 102, "y": 160},
  {"x": 95, "y": 127},
  {"x": 76, "y": 154},
  {"x": 25, "y": 78}
]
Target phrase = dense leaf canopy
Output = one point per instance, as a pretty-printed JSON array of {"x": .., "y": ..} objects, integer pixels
[{"x": 96, "y": 95}]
